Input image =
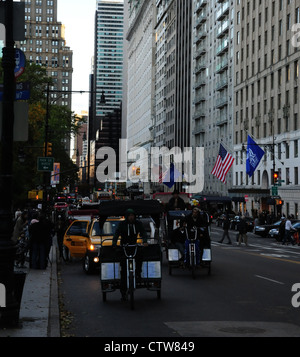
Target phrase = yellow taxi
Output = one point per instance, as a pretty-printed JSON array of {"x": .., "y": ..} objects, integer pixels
[{"x": 83, "y": 237}]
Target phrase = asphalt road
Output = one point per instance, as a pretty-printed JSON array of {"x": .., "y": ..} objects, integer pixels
[{"x": 249, "y": 293}]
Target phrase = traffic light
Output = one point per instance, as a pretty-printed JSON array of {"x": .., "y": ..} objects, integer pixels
[
  {"x": 49, "y": 149},
  {"x": 275, "y": 177}
]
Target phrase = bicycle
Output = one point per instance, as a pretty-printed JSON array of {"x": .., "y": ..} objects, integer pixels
[{"x": 131, "y": 271}]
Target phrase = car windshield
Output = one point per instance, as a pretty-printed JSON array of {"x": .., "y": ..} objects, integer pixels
[
  {"x": 109, "y": 228},
  {"x": 77, "y": 228},
  {"x": 296, "y": 225},
  {"x": 277, "y": 223}
]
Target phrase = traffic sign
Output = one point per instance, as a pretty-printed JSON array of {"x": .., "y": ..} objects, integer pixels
[
  {"x": 274, "y": 190},
  {"x": 22, "y": 91},
  {"x": 45, "y": 164}
]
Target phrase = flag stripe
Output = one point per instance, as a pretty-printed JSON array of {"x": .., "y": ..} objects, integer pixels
[{"x": 223, "y": 164}]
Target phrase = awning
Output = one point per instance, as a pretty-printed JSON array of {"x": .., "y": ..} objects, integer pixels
[
  {"x": 238, "y": 199},
  {"x": 215, "y": 199}
]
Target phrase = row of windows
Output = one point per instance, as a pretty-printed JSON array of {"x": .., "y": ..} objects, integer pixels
[
  {"x": 243, "y": 179},
  {"x": 279, "y": 126}
]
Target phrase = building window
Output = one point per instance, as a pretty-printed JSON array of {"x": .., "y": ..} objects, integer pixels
[{"x": 296, "y": 179}]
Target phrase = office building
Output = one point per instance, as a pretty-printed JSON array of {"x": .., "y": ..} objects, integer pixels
[
  {"x": 45, "y": 45},
  {"x": 213, "y": 86},
  {"x": 108, "y": 59},
  {"x": 267, "y": 104}
]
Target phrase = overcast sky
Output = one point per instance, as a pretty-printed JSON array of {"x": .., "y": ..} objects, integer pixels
[{"x": 78, "y": 18}]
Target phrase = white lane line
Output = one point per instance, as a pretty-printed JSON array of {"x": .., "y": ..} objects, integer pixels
[{"x": 274, "y": 281}]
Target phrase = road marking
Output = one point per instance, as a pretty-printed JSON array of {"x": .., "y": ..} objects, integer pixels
[
  {"x": 274, "y": 281},
  {"x": 274, "y": 258}
]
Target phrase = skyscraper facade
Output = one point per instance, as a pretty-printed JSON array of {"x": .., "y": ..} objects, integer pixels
[
  {"x": 108, "y": 58},
  {"x": 45, "y": 45},
  {"x": 213, "y": 85},
  {"x": 267, "y": 104}
]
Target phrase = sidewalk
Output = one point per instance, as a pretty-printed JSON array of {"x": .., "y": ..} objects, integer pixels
[{"x": 39, "y": 311}]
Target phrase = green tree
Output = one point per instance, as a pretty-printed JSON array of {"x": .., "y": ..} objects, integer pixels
[{"x": 61, "y": 127}]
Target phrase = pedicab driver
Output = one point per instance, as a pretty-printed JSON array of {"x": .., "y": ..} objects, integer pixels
[{"x": 129, "y": 230}]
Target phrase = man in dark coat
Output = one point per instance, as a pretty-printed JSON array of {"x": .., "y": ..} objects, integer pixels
[
  {"x": 242, "y": 228},
  {"x": 128, "y": 231},
  {"x": 176, "y": 202},
  {"x": 40, "y": 242}
]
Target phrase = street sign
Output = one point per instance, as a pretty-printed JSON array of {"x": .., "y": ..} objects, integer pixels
[
  {"x": 274, "y": 191},
  {"x": 45, "y": 164},
  {"x": 22, "y": 91}
]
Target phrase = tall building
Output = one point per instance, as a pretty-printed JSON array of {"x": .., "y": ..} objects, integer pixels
[
  {"x": 140, "y": 62},
  {"x": 108, "y": 58},
  {"x": 106, "y": 83},
  {"x": 267, "y": 103},
  {"x": 213, "y": 86},
  {"x": 45, "y": 45},
  {"x": 173, "y": 72}
]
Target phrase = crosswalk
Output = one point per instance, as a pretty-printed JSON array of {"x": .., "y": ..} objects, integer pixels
[{"x": 261, "y": 246}]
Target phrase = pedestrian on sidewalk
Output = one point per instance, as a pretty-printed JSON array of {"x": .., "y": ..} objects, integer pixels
[
  {"x": 226, "y": 225},
  {"x": 39, "y": 242},
  {"x": 19, "y": 227}
]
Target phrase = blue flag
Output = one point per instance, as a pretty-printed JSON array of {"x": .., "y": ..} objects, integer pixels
[
  {"x": 172, "y": 175},
  {"x": 254, "y": 155}
]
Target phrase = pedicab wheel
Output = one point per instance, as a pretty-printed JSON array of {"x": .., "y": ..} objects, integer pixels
[
  {"x": 103, "y": 296},
  {"x": 209, "y": 269},
  {"x": 131, "y": 291},
  {"x": 193, "y": 268}
]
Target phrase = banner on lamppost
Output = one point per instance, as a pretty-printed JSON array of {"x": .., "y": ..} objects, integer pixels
[{"x": 55, "y": 174}]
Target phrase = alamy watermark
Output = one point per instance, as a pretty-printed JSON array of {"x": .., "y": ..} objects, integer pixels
[
  {"x": 2, "y": 295},
  {"x": 296, "y": 297},
  {"x": 295, "y": 40},
  {"x": 153, "y": 164}
]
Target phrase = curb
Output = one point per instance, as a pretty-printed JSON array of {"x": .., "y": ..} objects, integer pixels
[{"x": 54, "y": 315}]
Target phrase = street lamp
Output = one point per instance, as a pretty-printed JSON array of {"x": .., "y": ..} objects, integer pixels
[
  {"x": 271, "y": 121},
  {"x": 91, "y": 119}
]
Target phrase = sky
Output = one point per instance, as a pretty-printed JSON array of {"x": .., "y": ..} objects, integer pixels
[{"x": 78, "y": 18}]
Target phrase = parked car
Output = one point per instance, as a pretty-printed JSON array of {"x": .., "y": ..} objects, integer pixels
[
  {"x": 236, "y": 220},
  {"x": 275, "y": 231},
  {"x": 264, "y": 230}
]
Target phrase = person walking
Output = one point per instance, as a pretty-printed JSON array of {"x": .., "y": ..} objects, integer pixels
[
  {"x": 288, "y": 232},
  {"x": 226, "y": 225},
  {"x": 281, "y": 230},
  {"x": 242, "y": 228}
]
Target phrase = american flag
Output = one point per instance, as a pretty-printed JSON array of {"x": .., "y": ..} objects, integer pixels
[{"x": 223, "y": 164}]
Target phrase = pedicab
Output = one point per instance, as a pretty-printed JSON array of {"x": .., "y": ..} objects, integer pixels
[
  {"x": 196, "y": 252},
  {"x": 110, "y": 257}
]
